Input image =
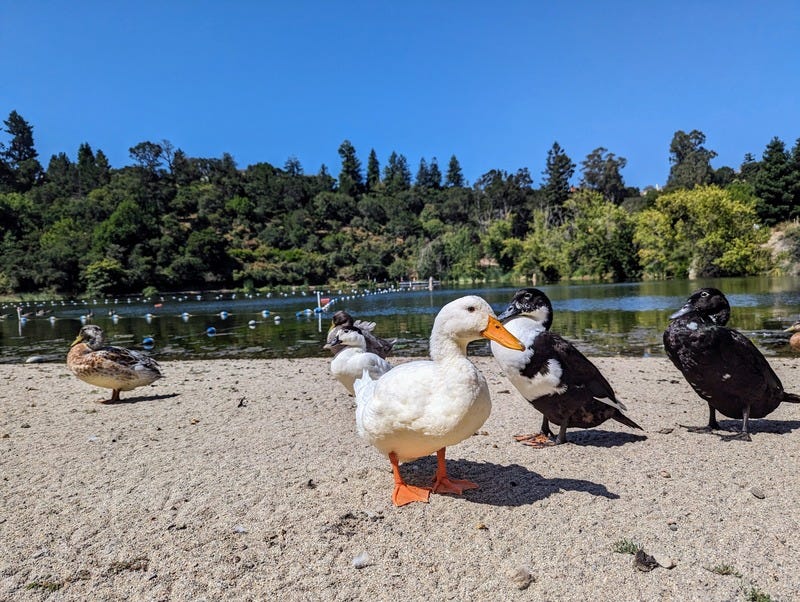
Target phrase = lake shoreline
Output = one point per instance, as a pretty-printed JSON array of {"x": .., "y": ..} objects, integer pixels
[
  {"x": 622, "y": 319},
  {"x": 245, "y": 479}
]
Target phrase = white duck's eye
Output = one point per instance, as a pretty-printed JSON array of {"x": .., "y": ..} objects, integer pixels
[{"x": 471, "y": 308}]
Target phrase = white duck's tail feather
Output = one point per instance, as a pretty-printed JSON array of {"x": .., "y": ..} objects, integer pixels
[{"x": 361, "y": 383}]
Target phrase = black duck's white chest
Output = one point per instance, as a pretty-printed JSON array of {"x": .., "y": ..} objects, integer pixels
[{"x": 548, "y": 380}]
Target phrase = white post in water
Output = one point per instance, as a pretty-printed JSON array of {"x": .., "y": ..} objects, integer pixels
[{"x": 319, "y": 312}]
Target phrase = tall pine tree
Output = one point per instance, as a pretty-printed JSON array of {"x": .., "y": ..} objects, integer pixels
[
  {"x": 455, "y": 178},
  {"x": 373, "y": 171},
  {"x": 351, "y": 181},
  {"x": 773, "y": 184},
  {"x": 559, "y": 168},
  {"x": 21, "y": 168}
]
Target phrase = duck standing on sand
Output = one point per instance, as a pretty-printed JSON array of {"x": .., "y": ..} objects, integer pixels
[
  {"x": 115, "y": 368},
  {"x": 721, "y": 364},
  {"x": 375, "y": 344},
  {"x": 352, "y": 358},
  {"x": 424, "y": 406},
  {"x": 556, "y": 378},
  {"x": 794, "y": 340}
]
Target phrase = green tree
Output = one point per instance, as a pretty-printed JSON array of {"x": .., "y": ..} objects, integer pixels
[
  {"x": 559, "y": 168},
  {"x": 396, "y": 174},
  {"x": 749, "y": 168},
  {"x": 794, "y": 163},
  {"x": 351, "y": 181},
  {"x": 706, "y": 231},
  {"x": 422, "y": 174},
  {"x": 428, "y": 176},
  {"x": 104, "y": 276},
  {"x": 147, "y": 155},
  {"x": 88, "y": 177},
  {"x": 455, "y": 177},
  {"x": 21, "y": 166},
  {"x": 293, "y": 167},
  {"x": 599, "y": 238},
  {"x": 723, "y": 176},
  {"x": 434, "y": 174},
  {"x": 505, "y": 196},
  {"x": 62, "y": 248},
  {"x": 602, "y": 172},
  {"x": 61, "y": 173},
  {"x": 373, "y": 171},
  {"x": 691, "y": 161},
  {"x": 773, "y": 185}
]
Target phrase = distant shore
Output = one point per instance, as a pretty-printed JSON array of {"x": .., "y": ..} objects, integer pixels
[{"x": 246, "y": 480}]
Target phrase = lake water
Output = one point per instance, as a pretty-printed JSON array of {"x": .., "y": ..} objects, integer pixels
[{"x": 601, "y": 319}]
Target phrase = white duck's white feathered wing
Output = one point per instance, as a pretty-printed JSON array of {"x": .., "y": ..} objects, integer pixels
[
  {"x": 349, "y": 364},
  {"x": 420, "y": 407}
]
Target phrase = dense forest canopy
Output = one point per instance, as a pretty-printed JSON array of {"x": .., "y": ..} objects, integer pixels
[{"x": 173, "y": 222}]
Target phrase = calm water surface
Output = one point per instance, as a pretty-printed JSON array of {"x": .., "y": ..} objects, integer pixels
[{"x": 602, "y": 319}]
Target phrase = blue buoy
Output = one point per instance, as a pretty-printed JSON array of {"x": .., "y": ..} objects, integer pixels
[
  {"x": 265, "y": 313},
  {"x": 148, "y": 342},
  {"x": 211, "y": 331},
  {"x": 223, "y": 314}
]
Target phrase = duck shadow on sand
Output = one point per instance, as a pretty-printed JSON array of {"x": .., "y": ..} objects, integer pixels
[
  {"x": 760, "y": 425},
  {"x": 499, "y": 485},
  {"x": 601, "y": 438},
  {"x": 140, "y": 398}
]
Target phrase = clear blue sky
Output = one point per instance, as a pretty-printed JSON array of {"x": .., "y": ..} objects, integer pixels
[{"x": 495, "y": 83}]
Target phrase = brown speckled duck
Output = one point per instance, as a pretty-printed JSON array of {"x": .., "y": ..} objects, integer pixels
[{"x": 115, "y": 368}]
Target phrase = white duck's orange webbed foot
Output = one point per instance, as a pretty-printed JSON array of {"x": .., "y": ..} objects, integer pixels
[
  {"x": 444, "y": 484},
  {"x": 403, "y": 492},
  {"x": 406, "y": 494}
]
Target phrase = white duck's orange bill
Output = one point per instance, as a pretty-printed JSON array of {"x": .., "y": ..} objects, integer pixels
[{"x": 497, "y": 332}]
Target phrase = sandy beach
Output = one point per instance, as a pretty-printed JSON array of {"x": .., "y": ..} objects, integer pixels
[{"x": 246, "y": 480}]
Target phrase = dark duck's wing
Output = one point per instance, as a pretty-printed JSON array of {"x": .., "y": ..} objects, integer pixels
[
  {"x": 587, "y": 399},
  {"x": 724, "y": 368}
]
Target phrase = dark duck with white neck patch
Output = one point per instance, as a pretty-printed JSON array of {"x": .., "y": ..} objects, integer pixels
[
  {"x": 556, "y": 378},
  {"x": 721, "y": 364}
]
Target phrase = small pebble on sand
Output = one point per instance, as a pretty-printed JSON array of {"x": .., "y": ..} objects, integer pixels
[
  {"x": 361, "y": 561},
  {"x": 521, "y": 577}
]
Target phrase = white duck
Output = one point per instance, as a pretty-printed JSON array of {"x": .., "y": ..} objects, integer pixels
[
  {"x": 424, "y": 406},
  {"x": 352, "y": 357}
]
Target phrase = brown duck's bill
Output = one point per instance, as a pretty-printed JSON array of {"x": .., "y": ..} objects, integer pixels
[{"x": 497, "y": 332}]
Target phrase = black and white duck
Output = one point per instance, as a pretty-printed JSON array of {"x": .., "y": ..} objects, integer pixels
[{"x": 556, "y": 378}]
